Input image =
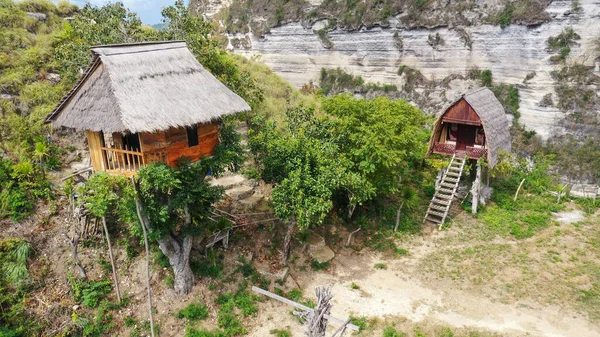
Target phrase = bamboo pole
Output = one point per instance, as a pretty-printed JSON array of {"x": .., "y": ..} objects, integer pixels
[
  {"x": 112, "y": 260},
  {"x": 138, "y": 207}
]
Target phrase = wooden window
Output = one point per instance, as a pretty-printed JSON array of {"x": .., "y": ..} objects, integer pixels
[{"x": 192, "y": 135}]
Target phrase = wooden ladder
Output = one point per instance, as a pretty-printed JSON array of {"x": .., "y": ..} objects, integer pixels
[{"x": 440, "y": 203}]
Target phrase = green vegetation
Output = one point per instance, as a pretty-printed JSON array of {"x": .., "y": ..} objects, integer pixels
[
  {"x": 316, "y": 265},
  {"x": 14, "y": 288},
  {"x": 563, "y": 42},
  {"x": 351, "y": 15},
  {"x": 380, "y": 266},
  {"x": 193, "y": 312},
  {"x": 465, "y": 37},
  {"x": 507, "y": 94},
  {"x": 335, "y": 81},
  {"x": 435, "y": 41},
  {"x": 281, "y": 332},
  {"x": 528, "y": 215},
  {"x": 575, "y": 94},
  {"x": 391, "y": 332},
  {"x": 372, "y": 142},
  {"x": 527, "y": 12}
]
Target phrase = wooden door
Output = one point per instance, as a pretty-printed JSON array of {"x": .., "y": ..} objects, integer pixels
[{"x": 465, "y": 137}]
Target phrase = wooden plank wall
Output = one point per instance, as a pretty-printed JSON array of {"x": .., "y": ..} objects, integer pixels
[
  {"x": 461, "y": 113},
  {"x": 177, "y": 145},
  {"x": 95, "y": 143}
]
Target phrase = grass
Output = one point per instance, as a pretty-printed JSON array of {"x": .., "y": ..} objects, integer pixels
[
  {"x": 316, "y": 265},
  {"x": 361, "y": 322},
  {"x": 391, "y": 332},
  {"x": 281, "y": 332},
  {"x": 354, "y": 286},
  {"x": 193, "y": 312},
  {"x": 380, "y": 266}
]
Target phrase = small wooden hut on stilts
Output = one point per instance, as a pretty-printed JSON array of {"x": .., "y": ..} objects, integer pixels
[
  {"x": 474, "y": 127},
  {"x": 146, "y": 102}
]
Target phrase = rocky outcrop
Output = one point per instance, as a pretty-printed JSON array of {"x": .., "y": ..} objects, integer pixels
[{"x": 517, "y": 54}]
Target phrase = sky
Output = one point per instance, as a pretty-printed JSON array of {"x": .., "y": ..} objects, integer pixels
[{"x": 147, "y": 10}]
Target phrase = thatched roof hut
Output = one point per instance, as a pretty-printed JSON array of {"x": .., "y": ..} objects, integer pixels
[
  {"x": 480, "y": 125},
  {"x": 144, "y": 87}
]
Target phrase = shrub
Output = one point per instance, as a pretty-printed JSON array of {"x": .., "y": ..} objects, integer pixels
[
  {"x": 281, "y": 333},
  {"x": 360, "y": 322},
  {"x": 93, "y": 292},
  {"x": 380, "y": 266},
  {"x": 89, "y": 293},
  {"x": 486, "y": 78},
  {"x": 391, "y": 332},
  {"x": 203, "y": 268},
  {"x": 193, "y": 312},
  {"x": 316, "y": 265}
]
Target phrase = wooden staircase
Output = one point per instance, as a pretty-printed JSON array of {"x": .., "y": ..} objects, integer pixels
[{"x": 440, "y": 203}]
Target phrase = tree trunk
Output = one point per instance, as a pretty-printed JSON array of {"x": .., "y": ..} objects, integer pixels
[
  {"x": 287, "y": 242},
  {"x": 179, "y": 258},
  {"x": 351, "y": 207},
  {"x": 177, "y": 250},
  {"x": 398, "y": 217}
]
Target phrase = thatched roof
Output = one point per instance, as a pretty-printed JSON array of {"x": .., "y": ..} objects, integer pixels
[
  {"x": 493, "y": 119},
  {"x": 144, "y": 87}
]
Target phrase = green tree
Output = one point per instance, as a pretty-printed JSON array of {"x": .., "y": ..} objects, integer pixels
[
  {"x": 200, "y": 37},
  {"x": 176, "y": 207},
  {"x": 355, "y": 148},
  {"x": 109, "y": 24},
  {"x": 381, "y": 137}
]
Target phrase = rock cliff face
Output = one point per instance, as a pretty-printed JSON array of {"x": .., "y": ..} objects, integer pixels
[{"x": 516, "y": 54}]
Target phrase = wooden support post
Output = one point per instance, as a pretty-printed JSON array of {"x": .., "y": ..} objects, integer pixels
[
  {"x": 138, "y": 207},
  {"x": 518, "y": 189},
  {"x": 475, "y": 190}
]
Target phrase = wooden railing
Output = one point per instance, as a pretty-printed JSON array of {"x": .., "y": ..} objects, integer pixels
[
  {"x": 475, "y": 152},
  {"x": 444, "y": 148},
  {"x": 125, "y": 161},
  {"x": 129, "y": 162}
]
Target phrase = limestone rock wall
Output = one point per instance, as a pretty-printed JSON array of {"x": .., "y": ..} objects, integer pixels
[{"x": 297, "y": 54}]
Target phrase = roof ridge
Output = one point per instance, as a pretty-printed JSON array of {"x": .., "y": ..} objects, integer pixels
[
  {"x": 474, "y": 91},
  {"x": 117, "y": 45}
]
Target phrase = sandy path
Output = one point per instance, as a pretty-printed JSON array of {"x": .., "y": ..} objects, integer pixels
[{"x": 392, "y": 293}]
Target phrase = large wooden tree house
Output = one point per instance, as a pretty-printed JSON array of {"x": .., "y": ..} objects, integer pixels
[
  {"x": 473, "y": 127},
  {"x": 146, "y": 102}
]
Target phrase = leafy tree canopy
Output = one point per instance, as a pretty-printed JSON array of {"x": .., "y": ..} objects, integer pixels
[{"x": 353, "y": 147}]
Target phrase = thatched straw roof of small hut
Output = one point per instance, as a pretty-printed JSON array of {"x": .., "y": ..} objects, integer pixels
[
  {"x": 144, "y": 87},
  {"x": 493, "y": 119}
]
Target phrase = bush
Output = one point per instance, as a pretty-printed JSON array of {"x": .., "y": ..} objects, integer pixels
[
  {"x": 316, "y": 265},
  {"x": 203, "y": 268},
  {"x": 89, "y": 293},
  {"x": 281, "y": 333},
  {"x": 486, "y": 78},
  {"x": 193, "y": 312},
  {"x": 391, "y": 332}
]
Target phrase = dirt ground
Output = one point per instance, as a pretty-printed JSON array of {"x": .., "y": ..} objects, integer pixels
[
  {"x": 423, "y": 288},
  {"x": 460, "y": 277}
]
